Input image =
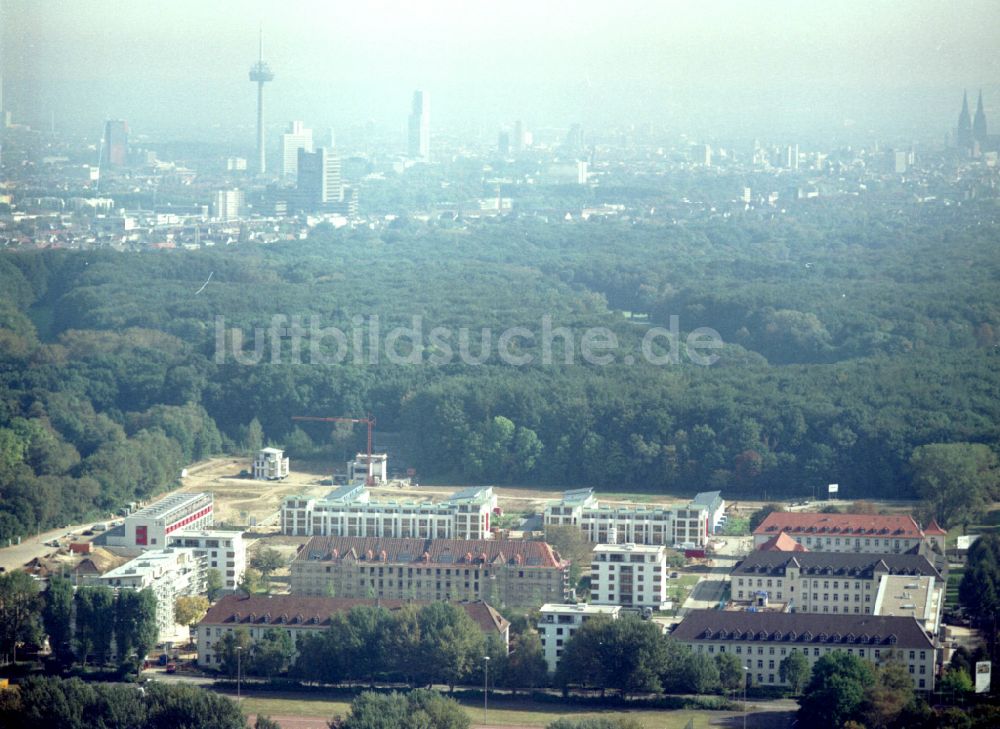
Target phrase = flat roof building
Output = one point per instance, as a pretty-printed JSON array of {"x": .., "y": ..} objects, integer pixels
[
  {"x": 349, "y": 511},
  {"x": 761, "y": 640},
  {"x": 270, "y": 464},
  {"x": 630, "y": 575},
  {"x": 224, "y": 550},
  {"x": 681, "y": 527},
  {"x": 558, "y": 622},
  {"x": 149, "y": 527},
  {"x": 916, "y": 596}
]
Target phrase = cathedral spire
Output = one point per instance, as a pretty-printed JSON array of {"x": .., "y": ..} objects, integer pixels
[
  {"x": 963, "y": 134},
  {"x": 979, "y": 124}
]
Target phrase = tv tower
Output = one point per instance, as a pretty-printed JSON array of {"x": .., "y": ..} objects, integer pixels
[{"x": 261, "y": 73}]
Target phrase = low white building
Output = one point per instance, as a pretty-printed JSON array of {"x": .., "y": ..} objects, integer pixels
[
  {"x": 682, "y": 527},
  {"x": 916, "y": 596},
  {"x": 349, "y": 512},
  {"x": 365, "y": 470},
  {"x": 170, "y": 573},
  {"x": 270, "y": 464},
  {"x": 224, "y": 551},
  {"x": 630, "y": 575},
  {"x": 716, "y": 506},
  {"x": 149, "y": 527},
  {"x": 559, "y": 622}
]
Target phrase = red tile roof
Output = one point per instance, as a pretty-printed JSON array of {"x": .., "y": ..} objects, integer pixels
[
  {"x": 782, "y": 543},
  {"x": 935, "y": 529},
  {"x": 521, "y": 553},
  {"x": 315, "y": 612},
  {"x": 896, "y": 526}
]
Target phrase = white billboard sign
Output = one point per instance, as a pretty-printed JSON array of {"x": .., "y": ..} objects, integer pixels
[
  {"x": 982, "y": 677},
  {"x": 833, "y": 488}
]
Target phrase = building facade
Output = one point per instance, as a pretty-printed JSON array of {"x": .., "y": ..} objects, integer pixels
[
  {"x": 558, "y": 622},
  {"x": 682, "y": 527},
  {"x": 114, "y": 152},
  {"x": 270, "y": 464},
  {"x": 169, "y": 573},
  {"x": 349, "y": 512},
  {"x": 821, "y": 582},
  {"x": 510, "y": 573},
  {"x": 228, "y": 204},
  {"x": 149, "y": 527},
  {"x": 301, "y": 616},
  {"x": 297, "y": 137},
  {"x": 419, "y": 137},
  {"x": 318, "y": 181},
  {"x": 630, "y": 575},
  {"x": 874, "y": 533},
  {"x": 224, "y": 551},
  {"x": 762, "y": 640}
]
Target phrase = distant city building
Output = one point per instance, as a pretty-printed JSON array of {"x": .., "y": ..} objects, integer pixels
[
  {"x": 149, "y": 527},
  {"x": 349, "y": 511},
  {"x": 270, "y": 464},
  {"x": 558, "y": 623},
  {"x": 236, "y": 164},
  {"x": 260, "y": 74},
  {"x": 228, "y": 204},
  {"x": 684, "y": 527},
  {"x": 963, "y": 132},
  {"x": 300, "y": 615},
  {"x": 114, "y": 146},
  {"x": 297, "y": 137},
  {"x": 319, "y": 183},
  {"x": 979, "y": 133},
  {"x": 762, "y": 639},
  {"x": 513, "y": 573},
  {"x": 701, "y": 154},
  {"x": 517, "y": 141},
  {"x": 877, "y": 533},
  {"x": 630, "y": 575},
  {"x": 503, "y": 143},
  {"x": 419, "y": 139},
  {"x": 223, "y": 550}
]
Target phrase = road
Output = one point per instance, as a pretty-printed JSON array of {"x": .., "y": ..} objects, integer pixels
[
  {"x": 18, "y": 555},
  {"x": 712, "y": 587}
]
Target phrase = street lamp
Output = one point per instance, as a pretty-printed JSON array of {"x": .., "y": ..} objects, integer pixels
[
  {"x": 486, "y": 688},
  {"x": 746, "y": 676},
  {"x": 239, "y": 654}
]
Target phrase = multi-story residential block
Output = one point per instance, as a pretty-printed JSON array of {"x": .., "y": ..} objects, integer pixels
[
  {"x": 819, "y": 532},
  {"x": 761, "y": 640},
  {"x": 559, "y": 622},
  {"x": 822, "y": 582},
  {"x": 716, "y": 506},
  {"x": 224, "y": 551},
  {"x": 501, "y": 572},
  {"x": 683, "y": 527},
  {"x": 150, "y": 526},
  {"x": 349, "y": 511},
  {"x": 170, "y": 573},
  {"x": 301, "y": 616},
  {"x": 630, "y": 575},
  {"x": 270, "y": 464}
]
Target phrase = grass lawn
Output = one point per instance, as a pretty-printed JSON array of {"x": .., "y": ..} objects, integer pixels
[
  {"x": 990, "y": 523},
  {"x": 503, "y": 712},
  {"x": 951, "y": 591}
]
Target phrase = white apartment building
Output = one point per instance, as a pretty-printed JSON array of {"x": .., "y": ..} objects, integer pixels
[
  {"x": 228, "y": 204},
  {"x": 297, "y": 137},
  {"x": 559, "y": 622},
  {"x": 349, "y": 512},
  {"x": 270, "y": 464},
  {"x": 170, "y": 573},
  {"x": 630, "y": 575},
  {"x": 681, "y": 527},
  {"x": 150, "y": 526},
  {"x": 224, "y": 551},
  {"x": 761, "y": 640},
  {"x": 374, "y": 470},
  {"x": 822, "y": 582}
]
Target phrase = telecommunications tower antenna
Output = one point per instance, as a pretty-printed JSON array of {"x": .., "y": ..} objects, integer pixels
[{"x": 260, "y": 73}]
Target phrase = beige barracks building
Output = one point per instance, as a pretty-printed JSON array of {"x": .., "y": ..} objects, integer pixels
[{"x": 500, "y": 572}]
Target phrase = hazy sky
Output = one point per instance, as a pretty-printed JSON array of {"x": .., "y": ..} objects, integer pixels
[{"x": 727, "y": 67}]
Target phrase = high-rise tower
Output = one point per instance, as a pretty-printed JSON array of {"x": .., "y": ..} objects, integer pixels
[
  {"x": 260, "y": 73},
  {"x": 979, "y": 122},
  {"x": 114, "y": 150},
  {"x": 419, "y": 146},
  {"x": 963, "y": 134}
]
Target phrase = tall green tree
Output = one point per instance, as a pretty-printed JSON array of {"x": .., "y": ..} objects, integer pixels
[
  {"x": 956, "y": 480},
  {"x": 233, "y": 650},
  {"x": 272, "y": 653},
  {"x": 19, "y": 612},
  {"x": 794, "y": 670},
  {"x": 57, "y": 617},
  {"x": 135, "y": 625},
  {"x": 450, "y": 642},
  {"x": 835, "y": 693}
]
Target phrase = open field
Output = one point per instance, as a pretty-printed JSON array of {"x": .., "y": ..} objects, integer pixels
[{"x": 506, "y": 712}]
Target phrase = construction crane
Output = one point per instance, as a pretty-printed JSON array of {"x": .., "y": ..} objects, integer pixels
[{"x": 369, "y": 421}]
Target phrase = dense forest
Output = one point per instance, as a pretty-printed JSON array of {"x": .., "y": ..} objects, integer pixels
[{"x": 852, "y": 336}]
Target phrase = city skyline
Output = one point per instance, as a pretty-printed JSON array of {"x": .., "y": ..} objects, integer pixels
[{"x": 723, "y": 67}]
